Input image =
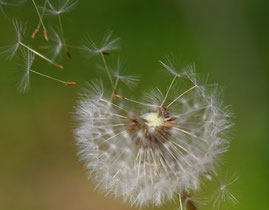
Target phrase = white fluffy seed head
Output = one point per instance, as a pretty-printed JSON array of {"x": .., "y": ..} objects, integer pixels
[{"x": 147, "y": 151}]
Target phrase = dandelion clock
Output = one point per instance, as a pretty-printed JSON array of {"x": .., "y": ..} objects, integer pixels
[{"x": 152, "y": 150}]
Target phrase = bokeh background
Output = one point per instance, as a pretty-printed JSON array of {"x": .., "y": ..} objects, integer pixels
[{"x": 228, "y": 40}]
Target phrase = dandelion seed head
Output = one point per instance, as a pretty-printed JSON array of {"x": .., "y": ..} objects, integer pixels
[{"x": 147, "y": 151}]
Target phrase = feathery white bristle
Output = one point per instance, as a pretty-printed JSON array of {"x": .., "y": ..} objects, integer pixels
[
  {"x": 223, "y": 196},
  {"x": 57, "y": 7},
  {"x": 107, "y": 44},
  {"x": 20, "y": 30},
  {"x": 24, "y": 83},
  {"x": 57, "y": 48}
]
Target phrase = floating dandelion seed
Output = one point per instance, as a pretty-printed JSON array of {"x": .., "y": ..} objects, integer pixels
[
  {"x": 57, "y": 8},
  {"x": 56, "y": 48},
  {"x": 23, "y": 85},
  {"x": 45, "y": 32},
  {"x": 60, "y": 6},
  {"x": 129, "y": 80},
  {"x": 223, "y": 195},
  {"x": 107, "y": 44},
  {"x": 20, "y": 30},
  {"x": 12, "y": 49},
  {"x": 148, "y": 151}
]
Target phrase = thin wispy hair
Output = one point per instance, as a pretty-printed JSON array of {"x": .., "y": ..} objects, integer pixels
[
  {"x": 106, "y": 45},
  {"x": 223, "y": 197},
  {"x": 57, "y": 7},
  {"x": 56, "y": 48},
  {"x": 24, "y": 83},
  {"x": 10, "y": 3},
  {"x": 20, "y": 30},
  {"x": 131, "y": 81}
]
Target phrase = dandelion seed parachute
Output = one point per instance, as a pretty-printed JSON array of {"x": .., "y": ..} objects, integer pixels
[
  {"x": 56, "y": 48},
  {"x": 107, "y": 44},
  {"x": 11, "y": 50},
  {"x": 129, "y": 80},
  {"x": 24, "y": 83},
  {"x": 56, "y": 9},
  {"x": 59, "y": 6},
  {"x": 223, "y": 198},
  {"x": 20, "y": 30}
]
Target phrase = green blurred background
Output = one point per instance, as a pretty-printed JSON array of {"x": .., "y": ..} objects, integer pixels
[{"x": 228, "y": 40}]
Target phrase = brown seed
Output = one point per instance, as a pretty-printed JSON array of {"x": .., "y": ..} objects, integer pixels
[
  {"x": 58, "y": 65},
  {"x": 188, "y": 201},
  {"x": 68, "y": 55},
  {"x": 105, "y": 53},
  {"x": 46, "y": 34},
  {"x": 35, "y": 33},
  {"x": 70, "y": 83}
]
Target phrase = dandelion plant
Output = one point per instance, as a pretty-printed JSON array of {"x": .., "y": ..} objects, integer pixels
[{"x": 163, "y": 146}]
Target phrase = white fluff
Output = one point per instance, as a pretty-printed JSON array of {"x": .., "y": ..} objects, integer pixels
[{"x": 154, "y": 173}]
